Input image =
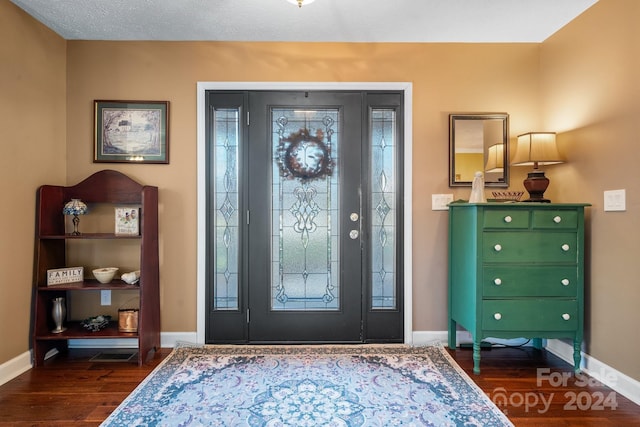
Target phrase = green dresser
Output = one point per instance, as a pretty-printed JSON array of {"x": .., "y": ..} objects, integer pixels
[{"x": 516, "y": 270}]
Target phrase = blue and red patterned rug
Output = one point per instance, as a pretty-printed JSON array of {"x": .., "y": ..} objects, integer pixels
[{"x": 366, "y": 385}]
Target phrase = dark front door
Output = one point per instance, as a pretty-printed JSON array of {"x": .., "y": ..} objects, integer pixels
[
  {"x": 304, "y": 217},
  {"x": 304, "y": 248}
]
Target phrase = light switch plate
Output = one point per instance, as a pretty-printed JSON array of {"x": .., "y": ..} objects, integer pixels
[
  {"x": 440, "y": 202},
  {"x": 615, "y": 200}
]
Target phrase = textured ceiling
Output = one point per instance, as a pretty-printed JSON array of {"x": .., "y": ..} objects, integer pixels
[{"x": 322, "y": 21}]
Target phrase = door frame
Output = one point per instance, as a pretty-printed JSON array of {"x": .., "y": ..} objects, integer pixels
[{"x": 202, "y": 87}]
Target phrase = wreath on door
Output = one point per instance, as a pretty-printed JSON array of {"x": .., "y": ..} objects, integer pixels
[{"x": 305, "y": 156}]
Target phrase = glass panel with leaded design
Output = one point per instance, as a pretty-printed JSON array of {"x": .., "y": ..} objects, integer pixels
[
  {"x": 226, "y": 211},
  {"x": 305, "y": 225},
  {"x": 383, "y": 211}
]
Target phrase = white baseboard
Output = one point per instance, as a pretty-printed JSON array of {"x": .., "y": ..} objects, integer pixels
[
  {"x": 14, "y": 367},
  {"x": 429, "y": 337},
  {"x": 442, "y": 337},
  {"x": 612, "y": 378},
  {"x": 170, "y": 339}
]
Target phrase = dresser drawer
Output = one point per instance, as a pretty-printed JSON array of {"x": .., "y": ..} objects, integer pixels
[
  {"x": 555, "y": 219},
  {"x": 529, "y": 281},
  {"x": 505, "y": 218},
  {"x": 529, "y": 247},
  {"x": 530, "y": 315}
]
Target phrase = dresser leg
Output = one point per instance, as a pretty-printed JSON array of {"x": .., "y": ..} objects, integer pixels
[
  {"x": 476, "y": 357},
  {"x": 452, "y": 334},
  {"x": 576, "y": 356},
  {"x": 537, "y": 343}
]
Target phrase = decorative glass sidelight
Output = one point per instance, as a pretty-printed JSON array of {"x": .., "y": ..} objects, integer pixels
[
  {"x": 305, "y": 248},
  {"x": 226, "y": 138},
  {"x": 383, "y": 211}
]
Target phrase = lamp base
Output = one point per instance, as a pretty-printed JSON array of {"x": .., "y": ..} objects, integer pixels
[
  {"x": 536, "y": 184},
  {"x": 76, "y": 221}
]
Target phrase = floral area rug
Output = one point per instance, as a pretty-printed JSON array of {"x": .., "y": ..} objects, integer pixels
[{"x": 365, "y": 385}]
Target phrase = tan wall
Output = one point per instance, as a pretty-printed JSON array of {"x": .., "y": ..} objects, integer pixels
[
  {"x": 32, "y": 137},
  {"x": 447, "y": 78},
  {"x": 591, "y": 94}
]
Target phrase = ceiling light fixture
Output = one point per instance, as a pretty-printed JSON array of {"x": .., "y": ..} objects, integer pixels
[{"x": 301, "y": 2}]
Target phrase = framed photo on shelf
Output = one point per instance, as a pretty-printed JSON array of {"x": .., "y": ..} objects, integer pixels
[
  {"x": 131, "y": 132},
  {"x": 127, "y": 221}
]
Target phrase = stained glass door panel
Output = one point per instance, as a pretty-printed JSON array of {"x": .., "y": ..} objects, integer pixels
[
  {"x": 305, "y": 283},
  {"x": 304, "y": 216}
]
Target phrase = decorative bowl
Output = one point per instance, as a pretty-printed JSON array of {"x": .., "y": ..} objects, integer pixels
[
  {"x": 507, "y": 196},
  {"x": 105, "y": 275}
]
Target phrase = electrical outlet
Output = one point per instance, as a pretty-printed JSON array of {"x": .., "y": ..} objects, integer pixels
[
  {"x": 105, "y": 297},
  {"x": 440, "y": 202}
]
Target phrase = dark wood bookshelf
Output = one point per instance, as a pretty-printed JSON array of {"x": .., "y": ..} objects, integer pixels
[{"x": 108, "y": 187}]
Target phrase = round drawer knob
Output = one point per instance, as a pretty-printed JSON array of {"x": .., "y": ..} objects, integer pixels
[
  {"x": 497, "y": 281},
  {"x": 498, "y": 247},
  {"x": 557, "y": 219},
  {"x": 497, "y": 316},
  {"x": 353, "y": 234},
  {"x": 565, "y": 247},
  {"x": 565, "y": 282},
  {"x": 566, "y": 316},
  {"x": 508, "y": 219}
]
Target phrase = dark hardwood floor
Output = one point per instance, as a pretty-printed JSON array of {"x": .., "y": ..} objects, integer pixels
[
  {"x": 71, "y": 390},
  {"x": 536, "y": 388}
]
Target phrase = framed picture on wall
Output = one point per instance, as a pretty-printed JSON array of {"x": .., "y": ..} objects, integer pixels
[{"x": 131, "y": 132}]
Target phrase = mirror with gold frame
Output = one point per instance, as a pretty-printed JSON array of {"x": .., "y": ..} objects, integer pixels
[{"x": 479, "y": 142}]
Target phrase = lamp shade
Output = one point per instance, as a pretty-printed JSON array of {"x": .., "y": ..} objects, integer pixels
[
  {"x": 75, "y": 207},
  {"x": 495, "y": 159},
  {"x": 536, "y": 148}
]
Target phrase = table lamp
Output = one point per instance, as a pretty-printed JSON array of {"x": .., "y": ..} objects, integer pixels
[
  {"x": 536, "y": 148},
  {"x": 75, "y": 207}
]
